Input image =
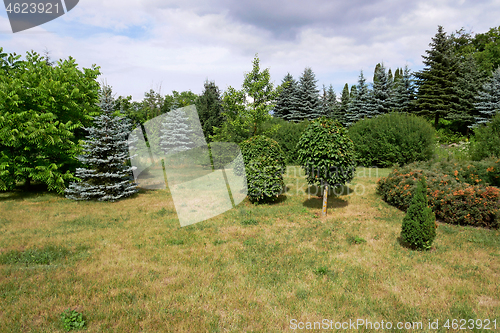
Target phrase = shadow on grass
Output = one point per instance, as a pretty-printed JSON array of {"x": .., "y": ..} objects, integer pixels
[
  {"x": 333, "y": 202},
  {"x": 22, "y": 193},
  {"x": 315, "y": 190}
]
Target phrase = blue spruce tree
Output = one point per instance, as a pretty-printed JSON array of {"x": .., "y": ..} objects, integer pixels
[
  {"x": 404, "y": 90},
  {"x": 488, "y": 100},
  {"x": 107, "y": 177},
  {"x": 359, "y": 104},
  {"x": 381, "y": 101},
  {"x": 308, "y": 96},
  {"x": 287, "y": 103}
]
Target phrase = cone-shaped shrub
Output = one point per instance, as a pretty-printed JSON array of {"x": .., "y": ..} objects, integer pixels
[{"x": 419, "y": 224}]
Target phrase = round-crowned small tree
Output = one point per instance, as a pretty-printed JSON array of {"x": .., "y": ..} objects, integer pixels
[
  {"x": 264, "y": 168},
  {"x": 326, "y": 154},
  {"x": 419, "y": 224}
]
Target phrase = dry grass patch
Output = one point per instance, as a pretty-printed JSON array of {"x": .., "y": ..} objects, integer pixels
[{"x": 141, "y": 272}]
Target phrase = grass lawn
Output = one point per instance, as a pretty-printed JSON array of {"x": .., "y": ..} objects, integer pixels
[{"x": 129, "y": 266}]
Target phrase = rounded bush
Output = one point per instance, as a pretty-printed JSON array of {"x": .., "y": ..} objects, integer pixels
[
  {"x": 287, "y": 135},
  {"x": 486, "y": 142},
  {"x": 264, "y": 168},
  {"x": 393, "y": 138},
  {"x": 326, "y": 153}
]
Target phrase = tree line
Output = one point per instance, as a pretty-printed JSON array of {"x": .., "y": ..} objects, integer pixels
[{"x": 46, "y": 106}]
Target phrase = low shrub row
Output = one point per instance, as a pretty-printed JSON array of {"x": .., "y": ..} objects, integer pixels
[{"x": 452, "y": 201}]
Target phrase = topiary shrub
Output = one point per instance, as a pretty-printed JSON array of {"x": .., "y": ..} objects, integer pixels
[
  {"x": 419, "y": 224},
  {"x": 393, "y": 138},
  {"x": 486, "y": 140},
  {"x": 326, "y": 153},
  {"x": 264, "y": 168}
]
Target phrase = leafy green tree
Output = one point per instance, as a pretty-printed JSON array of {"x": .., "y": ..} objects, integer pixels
[
  {"x": 209, "y": 108},
  {"x": 42, "y": 110},
  {"x": 486, "y": 48},
  {"x": 435, "y": 82},
  {"x": 308, "y": 96},
  {"x": 106, "y": 175},
  {"x": 246, "y": 111},
  {"x": 326, "y": 153},
  {"x": 419, "y": 224}
]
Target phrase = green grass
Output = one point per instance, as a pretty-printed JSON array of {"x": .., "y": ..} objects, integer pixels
[{"x": 129, "y": 267}]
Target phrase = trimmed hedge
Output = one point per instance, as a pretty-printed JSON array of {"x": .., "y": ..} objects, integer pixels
[
  {"x": 264, "y": 168},
  {"x": 452, "y": 201},
  {"x": 393, "y": 138}
]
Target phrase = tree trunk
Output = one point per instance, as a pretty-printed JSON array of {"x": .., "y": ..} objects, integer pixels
[{"x": 325, "y": 199}]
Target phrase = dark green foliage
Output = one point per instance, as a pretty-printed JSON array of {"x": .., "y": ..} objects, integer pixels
[
  {"x": 42, "y": 110},
  {"x": 419, "y": 224},
  {"x": 344, "y": 104},
  {"x": 436, "y": 90},
  {"x": 486, "y": 140},
  {"x": 326, "y": 153},
  {"x": 209, "y": 108},
  {"x": 392, "y": 138},
  {"x": 35, "y": 256},
  {"x": 250, "y": 222},
  {"x": 288, "y": 135},
  {"x": 264, "y": 168},
  {"x": 72, "y": 320},
  {"x": 452, "y": 201}
]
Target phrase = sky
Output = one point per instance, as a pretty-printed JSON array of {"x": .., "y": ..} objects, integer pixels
[{"x": 178, "y": 45}]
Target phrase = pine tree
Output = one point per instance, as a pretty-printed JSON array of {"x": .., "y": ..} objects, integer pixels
[
  {"x": 287, "y": 103},
  {"x": 419, "y": 224},
  {"x": 398, "y": 74},
  {"x": 404, "y": 91},
  {"x": 308, "y": 96},
  {"x": 381, "y": 100},
  {"x": 344, "y": 104},
  {"x": 488, "y": 99},
  {"x": 329, "y": 102},
  {"x": 176, "y": 134},
  {"x": 436, "y": 81},
  {"x": 106, "y": 151},
  {"x": 209, "y": 108},
  {"x": 359, "y": 104},
  {"x": 466, "y": 88}
]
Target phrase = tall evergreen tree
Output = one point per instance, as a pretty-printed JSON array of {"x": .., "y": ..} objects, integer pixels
[
  {"x": 436, "y": 81},
  {"x": 308, "y": 96},
  {"x": 359, "y": 104},
  {"x": 398, "y": 74},
  {"x": 469, "y": 80},
  {"x": 209, "y": 108},
  {"x": 329, "y": 102},
  {"x": 381, "y": 100},
  {"x": 404, "y": 91},
  {"x": 106, "y": 151},
  {"x": 488, "y": 99},
  {"x": 344, "y": 104},
  {"x": 287, "y": 102}
]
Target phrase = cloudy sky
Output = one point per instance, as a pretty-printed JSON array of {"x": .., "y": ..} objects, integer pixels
[{"x": 177, "y": 45}]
